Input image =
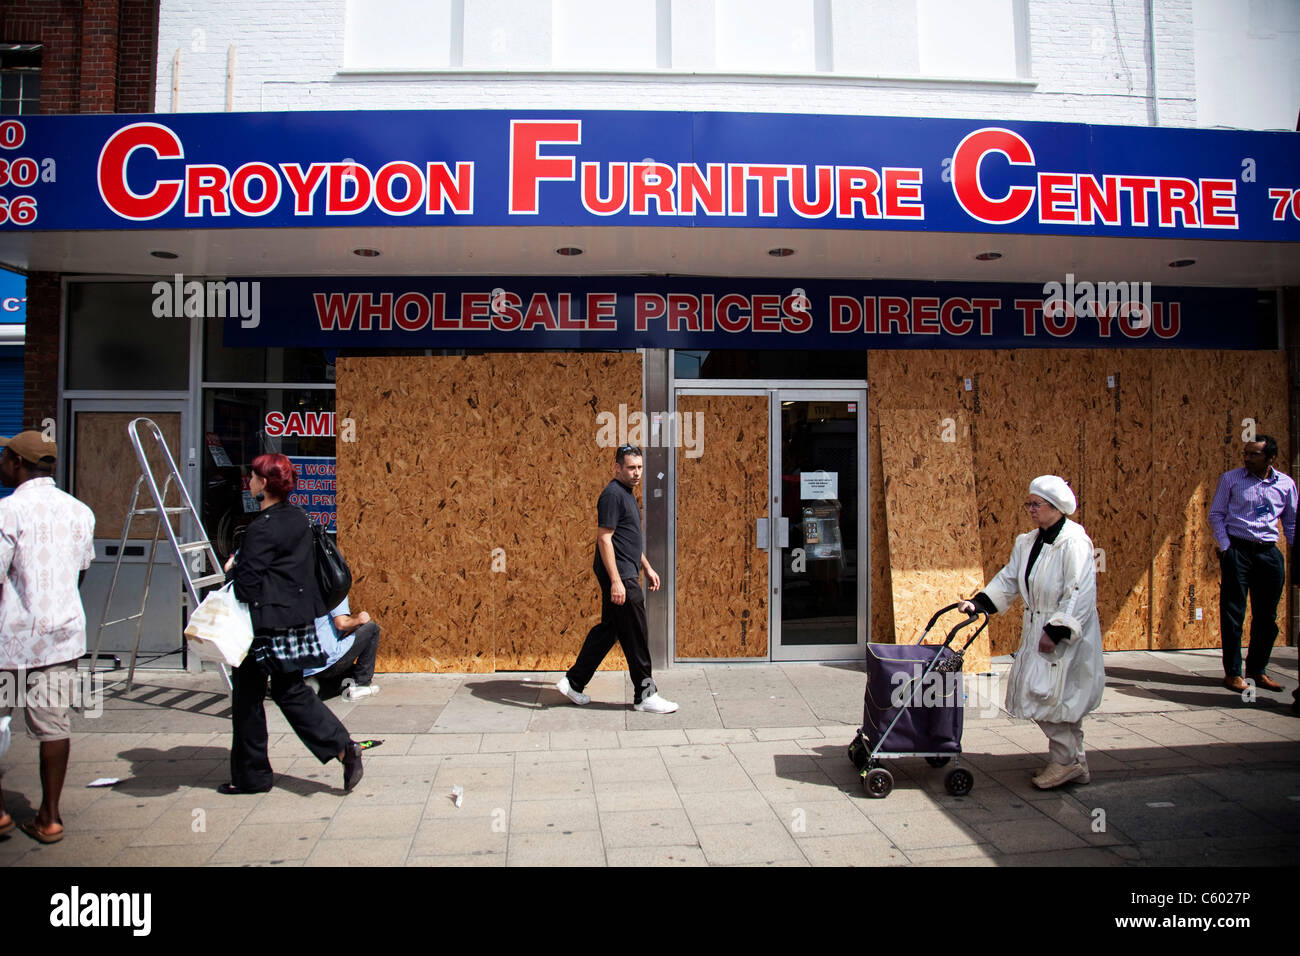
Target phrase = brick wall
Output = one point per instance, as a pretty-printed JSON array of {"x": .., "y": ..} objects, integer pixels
[
  {"x": 97, "y": 57},
  {"x": 41, "y": 353}
]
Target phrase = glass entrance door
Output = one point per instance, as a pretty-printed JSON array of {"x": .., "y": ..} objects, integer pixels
[
  {"x": 819, "y": 547},
  {"x": 770, "y": 525}
]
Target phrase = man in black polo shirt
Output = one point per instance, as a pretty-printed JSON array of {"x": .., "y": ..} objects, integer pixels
[{"x": 620, "y": 556}]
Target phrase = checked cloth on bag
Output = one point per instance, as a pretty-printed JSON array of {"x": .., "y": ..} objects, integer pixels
[{"x": 292, "y": 649}]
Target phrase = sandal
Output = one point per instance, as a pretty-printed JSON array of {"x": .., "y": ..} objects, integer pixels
[{"x": 41, "y": 834}]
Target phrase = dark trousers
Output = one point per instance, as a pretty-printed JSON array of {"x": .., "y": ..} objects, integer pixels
[
  {"x": 1260, "y": 573},
  {"x": 357, "y": 665},
  {"x": 313, "y": 722},
  {"x": 626, "y": 624}
]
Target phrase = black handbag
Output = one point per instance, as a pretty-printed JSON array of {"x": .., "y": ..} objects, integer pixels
[{"x": 332, "y": 572}]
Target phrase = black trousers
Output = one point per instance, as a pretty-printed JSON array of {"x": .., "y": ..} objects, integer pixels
[
  {"x": 357, "y": 665},
  {"x": 1258, "y": 573},
  {"x": 313, "y": 722},
  {"x": 626, "y": 624}
]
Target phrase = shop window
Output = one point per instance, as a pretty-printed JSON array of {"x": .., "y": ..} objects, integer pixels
[
  {"x": 398, "y": 35},
  {"x": 765, "y": 36},
  {"x": 239, "y": 425},
  {"x": 115, "y": 341},
  {"x": 598, "y": 35},
  {"x": 299, "y": 366},
  {"x": 20, "y": 79},
  {"x": 967, "y": 38}
]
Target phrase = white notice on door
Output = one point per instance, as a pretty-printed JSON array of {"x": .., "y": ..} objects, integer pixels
[{"x": 819, "y": 485}]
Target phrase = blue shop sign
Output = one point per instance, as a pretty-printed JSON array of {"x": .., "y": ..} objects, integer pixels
[
  {"x": 530, "y": 312},
  {"x": 634, "y": 168}
]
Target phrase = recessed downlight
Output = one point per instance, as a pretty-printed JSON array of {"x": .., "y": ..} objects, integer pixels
[
  {"x": 780, "y": 252},
  {"x": 365, "y": 253},
  {"x": 1182, "y": 263},
  {"x": 163, "y": 254},
  {"x": 568, "y": 251},
  {"x": 988, "y": 257}
]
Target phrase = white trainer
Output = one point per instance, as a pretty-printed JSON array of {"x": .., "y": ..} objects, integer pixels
[
  {"x": 577, "y": 696},
  {"x": 314, "y": 684},
  {"x": 1058, "y": 774},
  {"x": 359, "y": 691},
  {"x": 654, "y": 704}
]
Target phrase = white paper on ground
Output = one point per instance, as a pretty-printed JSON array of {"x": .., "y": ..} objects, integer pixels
[{"x": 103, "y": 782}]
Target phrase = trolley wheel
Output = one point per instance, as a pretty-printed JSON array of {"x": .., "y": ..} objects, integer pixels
[
  {"x": 858, "y": 753},
  {"x": 878, "y": 783},
  {"x": 959, "y": 782},
  {"x": 937, "y": 761}
]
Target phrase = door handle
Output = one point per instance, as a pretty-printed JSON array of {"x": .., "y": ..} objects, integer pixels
[
  {"x": 783, "y": 533},
  {"x": 761, "y": 534}
]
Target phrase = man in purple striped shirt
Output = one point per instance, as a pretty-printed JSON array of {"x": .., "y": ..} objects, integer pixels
[{"x": 1243, "y": 516}]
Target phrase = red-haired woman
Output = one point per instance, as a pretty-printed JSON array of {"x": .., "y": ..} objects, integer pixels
[{"x": 274, "y": 574}]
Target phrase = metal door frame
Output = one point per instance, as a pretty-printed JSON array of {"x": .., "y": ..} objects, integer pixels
[
  {"x": 820, "y": 652},
  {"x": 776, "y": 391}
]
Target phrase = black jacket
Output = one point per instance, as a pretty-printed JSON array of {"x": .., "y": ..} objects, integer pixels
[{"x": 275, "y": 572}]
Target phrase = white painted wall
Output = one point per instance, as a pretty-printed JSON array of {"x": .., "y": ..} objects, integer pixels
[
  {"x": 1087, "y": 59},
  {"x": 1248, "y": 63}
]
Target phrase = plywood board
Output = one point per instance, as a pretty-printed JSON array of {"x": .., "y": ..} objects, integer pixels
[
  {"x": 476, "y": 554},
  {"x": 1200, "y": 402},
  {"x": 107, "y": 469},
  {"x": 722, "y": 574},
  {"x": 933, "y": 527},
  {"x": 1086, "y": 418},
  {"x": 1115, "y": 491},
  {"x": 550, "y": 469},
  {"x": 900, "y": 380},
  {"x": 415, "y": 507}
]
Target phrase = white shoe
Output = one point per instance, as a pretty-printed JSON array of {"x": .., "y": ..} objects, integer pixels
[
  {"x": 314, "y": 684},
  {"x": 654, "y": 704},
  {"x": 1058, "y": 774},
  {"x": 577, "y": 696},
  {"x": 359, "y": 691}
]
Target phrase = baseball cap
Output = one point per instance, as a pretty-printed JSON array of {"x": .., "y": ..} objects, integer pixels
[{"x": 32, "y": 446}]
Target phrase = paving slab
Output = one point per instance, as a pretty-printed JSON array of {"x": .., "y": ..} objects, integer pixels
[{"x": 751, "y": 771}]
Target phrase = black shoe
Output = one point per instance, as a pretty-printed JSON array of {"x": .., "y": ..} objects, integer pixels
[
  {"x": 229, "y": 789},
  {"x": 352, "y": 769}
]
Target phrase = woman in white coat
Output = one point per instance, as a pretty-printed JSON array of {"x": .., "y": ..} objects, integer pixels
[{"x": 1057, "y": 676}]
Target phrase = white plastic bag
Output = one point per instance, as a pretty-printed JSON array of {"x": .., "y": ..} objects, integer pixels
[
  {"x": 5, "y": 738},
  {"x": 220, "y": 629}
]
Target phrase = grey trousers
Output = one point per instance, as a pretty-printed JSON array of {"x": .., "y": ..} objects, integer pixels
[{"x": 1064, "y": 742}]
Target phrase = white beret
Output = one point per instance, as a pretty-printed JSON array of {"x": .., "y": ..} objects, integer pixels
[{"x": 1055, "y": 492}]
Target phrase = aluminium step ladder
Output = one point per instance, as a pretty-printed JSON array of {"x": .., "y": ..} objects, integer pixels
[{"x": 196, "y": 558}]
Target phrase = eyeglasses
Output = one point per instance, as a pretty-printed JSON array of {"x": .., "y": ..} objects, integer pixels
[
  {"x": 628, "y": 450},
  {"x": 1035, "y": 505}
]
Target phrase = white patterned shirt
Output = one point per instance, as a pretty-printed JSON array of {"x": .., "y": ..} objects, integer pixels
[{"x": 46, "y": 538}]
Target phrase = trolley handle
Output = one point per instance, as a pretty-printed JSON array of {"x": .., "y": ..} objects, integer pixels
[
  {"x": 944, "y": 610},
  {"x": 966, "y": 623},
  {"x": 940, "y": 613}
]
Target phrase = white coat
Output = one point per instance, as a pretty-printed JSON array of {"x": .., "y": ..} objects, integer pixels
[{"x": 1062, "y": 686}]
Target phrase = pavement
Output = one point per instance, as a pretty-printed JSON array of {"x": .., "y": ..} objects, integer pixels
[{"x": 752, "y": 770}]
